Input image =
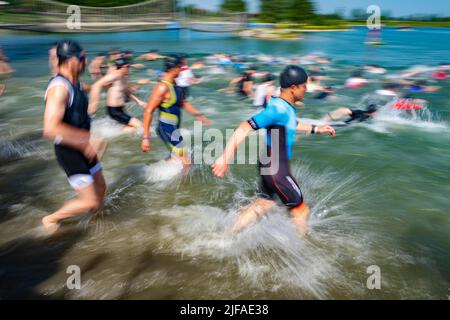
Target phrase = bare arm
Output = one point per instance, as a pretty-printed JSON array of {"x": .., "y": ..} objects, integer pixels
[
  {"x": 137, "y": 100},
  {"x": 234, "y": 81},
  {"x": 192, "y": 110},
  {"x": 338, "y": 114},
  {"x": 96, "y": 89},
  {"x": 317, "y": 129},
  {"x": 248, "y": 86},
  {"x": 220, "y": 166},
  {"x": 153, "y": 102}
]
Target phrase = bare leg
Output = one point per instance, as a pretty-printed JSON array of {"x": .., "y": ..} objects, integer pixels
[
  {"x": 100, "y": 188},
  {"x": 185, "y": 159},
  {"x": 300, "y": 218},
  {"x": 86, "y": 201},
  {"x": 2, "y": 87},
  {"x": 100, "y": 185},
  {"x": 99, "y": 144},
  {"x": 251, "y": 213},
  {"x": 132, "y": 126},
  {"x": 337, "y": 114}
]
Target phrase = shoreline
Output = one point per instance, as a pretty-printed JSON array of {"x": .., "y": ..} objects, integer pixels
[{"x": 258, "y": 30}]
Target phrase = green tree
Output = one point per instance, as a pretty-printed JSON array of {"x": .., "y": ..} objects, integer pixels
[
  {"x": 287, "y": 10},
  {"x": 300, "y": 10},
  {"x": 234, "y": 5},
  {"x": 358, "y": 14},
  {"x": 269, "y": 11}
]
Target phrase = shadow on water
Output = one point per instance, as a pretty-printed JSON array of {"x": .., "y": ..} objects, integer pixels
[
  {"x": 431, "y": 259},
  {"x": 28, "y": 262},
  {"x": 21, "y": 147},
  {"x": 146, "y": 261},
  {"x": 21, "y": 186}
]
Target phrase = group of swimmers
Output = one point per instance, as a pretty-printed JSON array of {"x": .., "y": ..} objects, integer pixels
[
  {"x": 399, "y": 90},
  {"x": 67, "y": 122},
  {"x": 70, "y": 104}
]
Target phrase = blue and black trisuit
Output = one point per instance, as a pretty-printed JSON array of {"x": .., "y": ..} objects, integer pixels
[
  {"x": 170, "y": 118},
  {"x": 279, "y": 118}
]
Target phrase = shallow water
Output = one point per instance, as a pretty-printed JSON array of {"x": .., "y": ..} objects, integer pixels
[{"x": 378, "y": 191}]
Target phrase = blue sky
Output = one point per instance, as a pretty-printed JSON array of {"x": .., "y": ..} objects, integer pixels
[{"x": 397, "y": 7}]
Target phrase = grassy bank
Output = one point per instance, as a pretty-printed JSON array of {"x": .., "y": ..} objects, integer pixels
[{"x": 324, "y": 24}]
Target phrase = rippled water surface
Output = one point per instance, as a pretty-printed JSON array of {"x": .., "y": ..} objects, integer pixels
[{"x": 379, "y": 191}]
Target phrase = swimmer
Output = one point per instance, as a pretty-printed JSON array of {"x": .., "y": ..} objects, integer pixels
[
  {"x": 440, "y": 75},
  {"x": 314, "y": 86},
  {"x": 129, "y": 54},
  {"x": 279, "y": 118},
  {"x": 244, "y": 83},
  {"x": 391, "y": 90},
  {"x": 198, "y": 65},
  {"x": 351, "y": 114},
  {"x": 325, "y": 94},
  {"x": 264, "y": 92},
  {"x": 67, "y": 123},
  {"x": 151, "y": 56},
  {"x": 421, "y": 86},
  {"x": 114, "y": 54},
  {"x": 96, "y": 66},
  {"x": 168, "y": 98},
  {"x": 356, "y": 81},
  {"x": 5, "y": 68},
  {"x": 374, "y": 69},
  {"x": 116, "y": 96},
  {"x": 186, "y": 78}
]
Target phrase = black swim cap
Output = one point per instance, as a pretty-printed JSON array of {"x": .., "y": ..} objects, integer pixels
[
  {"x": 121, "y": 62},
  {"x": 269, "y": 77},
  {"x": 420, "y": 83},
  {"x": 390, "y": 85},
  {"x": 66, "y": 49},
  {"x": 292, "y": 75},
  {"x": 372, "y": 108},
  {"x": 357, "y": 74},
  {"x": 173, "y": 61}
]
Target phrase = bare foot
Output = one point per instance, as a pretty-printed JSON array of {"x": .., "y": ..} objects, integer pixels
[
  {"x": 50, "y": 226},
  {"x": 301, "y": 227},
  {"x": 129, "y": 129}
]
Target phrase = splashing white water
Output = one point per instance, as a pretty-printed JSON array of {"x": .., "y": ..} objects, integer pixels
[
  {"x": 270, "y": 255},
  {"x": 163, "y": 170},
  {"x": 390, "y": 118}
]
